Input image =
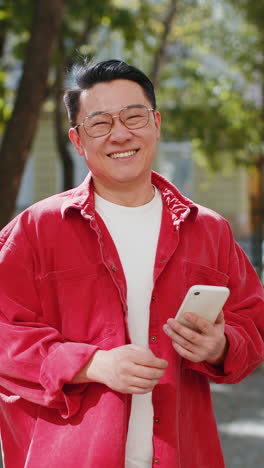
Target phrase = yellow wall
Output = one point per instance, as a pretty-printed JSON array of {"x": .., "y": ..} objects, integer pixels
[
  {"x": 46, "y": 165},
  {"x": 226, "y": 193}
]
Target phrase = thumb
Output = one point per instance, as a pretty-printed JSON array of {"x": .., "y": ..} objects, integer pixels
[{"x": 220, "y": 317}]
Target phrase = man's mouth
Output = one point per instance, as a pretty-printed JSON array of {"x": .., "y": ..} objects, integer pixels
[{"x": 124, "y": 154}]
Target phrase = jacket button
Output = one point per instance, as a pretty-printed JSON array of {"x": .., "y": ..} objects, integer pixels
[
  {"x": 113, "y": 267},
  {"x": 163, "y": 259},
  {"x": 157, "y": 420},
  {"x": 153, "y": 339},
  {"x": 153, "y": 297},
  {"x": 156, "y": 461}
]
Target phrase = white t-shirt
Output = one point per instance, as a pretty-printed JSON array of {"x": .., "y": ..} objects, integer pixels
[{"x": 135, "y": 232}]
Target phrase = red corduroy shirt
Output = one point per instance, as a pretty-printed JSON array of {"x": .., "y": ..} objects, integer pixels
[{"x": 63, "y": 296}]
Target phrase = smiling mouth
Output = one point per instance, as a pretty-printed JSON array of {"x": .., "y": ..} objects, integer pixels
[{"x": 125, "y": 154}]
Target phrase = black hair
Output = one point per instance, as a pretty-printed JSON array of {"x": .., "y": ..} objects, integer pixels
[{"x": 88, "y": 74}]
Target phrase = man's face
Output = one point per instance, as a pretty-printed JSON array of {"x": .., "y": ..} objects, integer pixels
[{"x": 123, "y": 155}]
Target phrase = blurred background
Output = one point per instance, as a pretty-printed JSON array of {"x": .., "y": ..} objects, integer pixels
[{"x": 206, "y": 59}]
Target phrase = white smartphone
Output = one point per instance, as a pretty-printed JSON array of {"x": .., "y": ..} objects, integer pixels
[{"x": 205, "y": 301}]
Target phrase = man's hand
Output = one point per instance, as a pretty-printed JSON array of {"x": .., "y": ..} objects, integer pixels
[
  {"x": 126, "y": 369},
  {"x": 209, "y": 343}
]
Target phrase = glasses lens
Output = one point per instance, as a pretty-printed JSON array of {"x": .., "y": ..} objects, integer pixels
[
  {"x": 135, "y": 116},
  {"x": 98, "y": 125}
]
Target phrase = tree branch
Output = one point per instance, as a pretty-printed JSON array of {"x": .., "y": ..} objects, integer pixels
[
  {"x": 21, "y": 127},
  {"x": 160, "y": 55}
]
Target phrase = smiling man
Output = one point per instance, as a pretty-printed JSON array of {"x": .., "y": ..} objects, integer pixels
[
  {"x": 95, "y": 372},
  {"x": 118, "y": 136}
]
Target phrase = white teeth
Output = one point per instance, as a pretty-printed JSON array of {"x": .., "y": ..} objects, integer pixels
[{"x": 126, "y": 154}]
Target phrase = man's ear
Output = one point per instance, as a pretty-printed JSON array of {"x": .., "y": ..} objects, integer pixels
[
  {"x": 76, "y": 141},
  {"x": 157, "y": 118}
]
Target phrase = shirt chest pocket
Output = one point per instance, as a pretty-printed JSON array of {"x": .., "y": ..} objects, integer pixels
[
  {"x": 73, "y": 303},
  {"x": 194, "y": 273}
]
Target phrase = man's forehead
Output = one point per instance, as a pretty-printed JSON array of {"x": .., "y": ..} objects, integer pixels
[{"x": 115, "y": 94}]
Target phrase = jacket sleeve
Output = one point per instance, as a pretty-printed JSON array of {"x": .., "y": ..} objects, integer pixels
[
  {"x": 244, "y": 319},
  {"x": 36, "y": 362}
]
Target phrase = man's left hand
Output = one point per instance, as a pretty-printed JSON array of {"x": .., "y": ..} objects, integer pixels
[{"x": 208, "y": 343}]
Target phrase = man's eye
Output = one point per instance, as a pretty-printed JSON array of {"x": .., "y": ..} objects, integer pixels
[
  {"x": 101, "y": 122},
  {"x": 98, "y": 123},
  {"x": 134, "y": 117}
]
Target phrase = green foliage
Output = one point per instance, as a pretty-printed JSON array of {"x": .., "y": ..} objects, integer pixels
[
  {"x": 15, "y": 21},
  {"x": 213, "y": 61},
  {"x": 82, "y": 21},
  {"x": 16, "y": 15},
  {"x": 211, "y": 82},
  {"x": 212, "y": 113},
  {"x": 83, "y": 18}
]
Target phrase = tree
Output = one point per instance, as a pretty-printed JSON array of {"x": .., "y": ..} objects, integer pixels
[
  {"x": 77, "y": 37},
  {"x": 253, "y": 13},
  {"x": 46, "y": 19},
  {"x": 54, "y": 42},
  {"x": 160, "y": 54}
]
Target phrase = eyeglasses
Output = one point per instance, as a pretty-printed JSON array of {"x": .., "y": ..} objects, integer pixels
[{"x": 99, "y": 124}]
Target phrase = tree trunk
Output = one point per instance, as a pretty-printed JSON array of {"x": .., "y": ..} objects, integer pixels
[
  {"x": 20, "y": 130},
  {"x": 3, "y": 30},
  {"x": 257, "y": 212},
  {"x": 257, "y": 196},
  {"x": 59, "y": 122},
  {"x": 160, "y": 54}
]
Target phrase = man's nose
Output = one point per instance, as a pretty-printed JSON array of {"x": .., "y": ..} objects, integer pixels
[{"x": 119, "y": 131}]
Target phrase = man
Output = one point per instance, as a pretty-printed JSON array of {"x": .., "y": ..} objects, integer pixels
[{"x": 94, "y": 370}]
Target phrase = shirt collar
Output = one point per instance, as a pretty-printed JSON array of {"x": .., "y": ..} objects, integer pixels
[
  {"x": 179, "y": 205},
  {"x": 82, "y": 199}
]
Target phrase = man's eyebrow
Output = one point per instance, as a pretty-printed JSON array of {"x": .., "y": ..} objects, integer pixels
[{"x": 93, "y": 114}]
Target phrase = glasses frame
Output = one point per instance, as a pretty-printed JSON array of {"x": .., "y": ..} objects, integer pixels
[{"x": 149, "y": 109}]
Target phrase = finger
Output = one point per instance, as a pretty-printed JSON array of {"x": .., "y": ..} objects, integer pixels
[
  {"x": 220, "y": 318},
  {"x": 188, "y": 334},
  {"x": 151, "y": 361},
  {"x": 193, "y": 348},
  {"x": 144, "y": 384},
  {"x": 159, "y": 363},
  {"x": 203, "y": 325},
  {"x": 149, "y": 373},
  {"x": 186, "y": 354},
  {"x": 179, "y": 327}
]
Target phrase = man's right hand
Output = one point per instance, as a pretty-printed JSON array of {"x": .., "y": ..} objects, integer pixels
[{"x": 126, "y": 369}]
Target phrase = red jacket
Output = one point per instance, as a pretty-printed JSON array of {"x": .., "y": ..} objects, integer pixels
[{"x": 63, "y": 296}]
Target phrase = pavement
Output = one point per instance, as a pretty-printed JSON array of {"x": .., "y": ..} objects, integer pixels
[{"x": 239, "y": 411}]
